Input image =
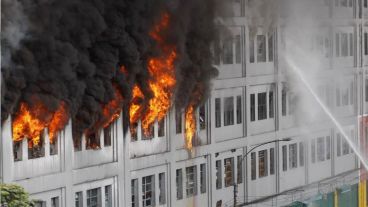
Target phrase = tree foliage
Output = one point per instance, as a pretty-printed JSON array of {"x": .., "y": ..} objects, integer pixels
[{"x": 12, "y": 195}]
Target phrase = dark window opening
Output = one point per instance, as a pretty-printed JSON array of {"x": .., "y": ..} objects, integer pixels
[
  {"x": 228, "y": 111},
  {"x": 107, "y": 135},
  {"x": 284, "y": 158},
  {"x": 36, "y": 151},
  {"x": 238, "y": 110},
  {"x": 261, "y": 48},
  {"x": 218, "y": 112},
  {"x": 272, "y": 161},
  {"x": 237, "y": 49},
  {"x": 178, "y": 121},
  {"x": 17, "y": 151},
  {"x": 262, "y": 106},
  {"x": 134, "y": 131},
  {"x": 54, "y": 146},
  {"x": 202, "y": 117},
  {"x": 270, "y": 47},
  {"x": 252, "y": 107},
  {"x": 253, "y": 165},
  {"x": 270, "y": 104},
  {"x": 251, "y": 49},
  {"x": 228, "y": 51},
  {"x": 161, "y": 128},
  {"x": 93, "y": 140}
]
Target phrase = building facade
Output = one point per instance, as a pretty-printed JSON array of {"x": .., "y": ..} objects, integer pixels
[{"x": 251, "y": 103}]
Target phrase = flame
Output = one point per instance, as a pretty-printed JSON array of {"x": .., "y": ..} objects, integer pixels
[
  {"x": 190, "y": 126},
  {"x": 162, "y": 83},
  {"x": 111, "y": 111},
  {"x": 59, "y": 120},
  {"x": 30, "y": 121}
]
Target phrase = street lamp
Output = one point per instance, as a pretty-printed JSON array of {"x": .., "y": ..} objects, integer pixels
[{"x": 246, "y": 154}]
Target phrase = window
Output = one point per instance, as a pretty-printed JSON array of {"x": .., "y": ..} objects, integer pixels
[
  {"x": 262, "y": 106},
  {"x": 253, "y": 165},
  {"x": 366, "y": 42},
  {"x": 328, "y": 147},
  {"x": 237, "y": 49},
  {"x": 239, "y": 173},
  {"x": 313, "y": 150},
  {"x": 134, "y": 185},
  {"x": 179, "y": 184},
  {"x": 338, "y": 97},
  {"x": 191, "y": 184},
  {"x": 238, "y": 110},
  {"x": 321, "y": 149},
  {"x": 283, "y": 101},
  {"x": 55, "y": 202},
  {"x": 203, "y": 177},
  {"x": 366, "y": 89},
  {"x": 344, "y": 44},
  {"x": 229, "y": 171},
  {"x": 228, "y": 51},
  {"x": 108, "y": 196},
  {"x": 262, "y": 163},
  {"x": 94, "y": 197},
  {"x": 202, "y": 117},
  {"x": 161, "y": 128},
  {"x": 251, "y": 49},
  {"x": 78, "y": 199},
  {"x": 338, "y": 144},
  {"x": 337, "y": 38},
  {"x": 228, "y": 111},
  {"x": 148, "y": 187},
  {"x": 178, "y": 121},
  {"x": 93, "y": 141},
  {"x": 272, "y": 161},
  {"x": 107, "y": 135},
  {"x": 345, "y": 147},
  {"x": 39, "y": 203},
  {"x": 252, "y": 107},
  {"x": 261, "y": 48},
  {"x": 293, "y": 156},
  {"x": 150, "y": 134},
  {"x": 284, "y": 158},
  {"x": 301, "y": 154},
  {"x": 270, "y": 104},
  {"x": 17, "y": 151},
  {"x": 218, "y": 175},
  {"x": 54, "y": 146},
  {"x": 36, "y": 151},
  {"x": 161, "y": 186},
  {"x": 218, "y": 112},
  {"x": 270, "y": 47},
  {"x": 365, "y": 3},
  {"x": 351, "y": 43}
]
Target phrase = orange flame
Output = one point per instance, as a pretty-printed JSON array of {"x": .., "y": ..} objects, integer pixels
[
  {"x": 162, "y": 82},
  {"x": 190, "y": 126},
  {"x": 111, "y": 110},
  {"x": 30, "y": 122}
]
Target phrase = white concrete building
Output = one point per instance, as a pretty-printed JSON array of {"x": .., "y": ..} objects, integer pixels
[{"x": 251, "y": 103}]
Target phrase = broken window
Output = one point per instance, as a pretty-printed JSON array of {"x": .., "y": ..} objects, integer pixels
[
  {"x": 150, "y": 134},
  {"x": 93, "y": 140},
  {"x": 261, "y": 48},
  {"x": 36, "y": 151},
  {"x": 17, "y": 151},
  {"x": 178, "y": 120},
  {"x": 262, "y": 163},
  {"x": 54, "y": 146},
  {"x": 134, "y": 131},
  {"x": 262, "y": 106},
  {"x": 229, "y": 171},
  {"x": 107, "y": 135},
  {"x": 228, "y": 51},
  {"x": 161, "y": 128},
  {"x": 202, "y": 117},
  {"x": 228, "y": 111}
]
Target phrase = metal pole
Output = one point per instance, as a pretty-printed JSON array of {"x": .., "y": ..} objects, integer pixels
[{"x": 246, "y": 154}]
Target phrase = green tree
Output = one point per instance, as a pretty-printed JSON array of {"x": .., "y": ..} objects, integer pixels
[{"x": 12, "y": 195}]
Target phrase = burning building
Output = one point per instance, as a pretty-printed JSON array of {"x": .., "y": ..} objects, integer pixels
[{"x": 110, "y": 103}]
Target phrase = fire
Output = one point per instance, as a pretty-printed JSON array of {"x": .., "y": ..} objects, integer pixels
[
  {"x": 190, "y": 126},
  {"x": 30, "y": 121},
  {"x": 111, "y": 111},
  {"x": 162, "y": 83}
]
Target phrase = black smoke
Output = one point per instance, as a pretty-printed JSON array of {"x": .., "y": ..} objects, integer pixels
[{"x": 72, "y": 51}]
